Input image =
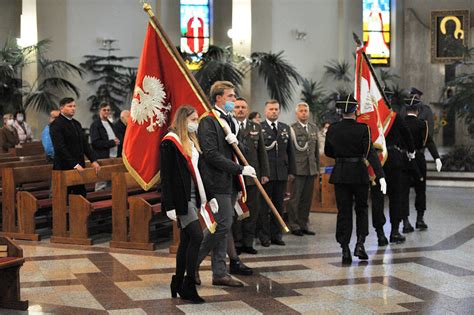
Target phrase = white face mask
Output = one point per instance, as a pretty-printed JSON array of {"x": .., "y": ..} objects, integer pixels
[
  {"x": 10, "y": 122},
  {"x": 192, "y": 127},
  {"x": 19, "y": 118}
]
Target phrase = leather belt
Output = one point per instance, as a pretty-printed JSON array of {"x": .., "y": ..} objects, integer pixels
[
  {"x": 350, "y": 159},
  {"x": 396, "y": 147}
]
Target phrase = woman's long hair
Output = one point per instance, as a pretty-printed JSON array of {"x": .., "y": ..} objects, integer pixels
[{"x": 180, "y": 127}]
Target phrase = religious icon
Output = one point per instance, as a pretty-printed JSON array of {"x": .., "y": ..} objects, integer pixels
[
  {"x": 449, "y": 35},
  {"x": 376, "y": 27}
]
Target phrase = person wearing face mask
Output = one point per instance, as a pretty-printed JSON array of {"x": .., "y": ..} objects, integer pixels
[
  {"x": 222, "y": 178},
  {"x": 23, "y": 129},
  {"x": 8, "y": 134},
  {"x": 103, "y": 136},
  {"x": 182, "y": 196}
]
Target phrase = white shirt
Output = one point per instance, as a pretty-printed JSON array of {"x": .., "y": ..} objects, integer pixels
[
  {"x": 305, "y": 126},
  {"x": 242, "y": 122},
  {"x": 111, "y": 135},
  {"x": 270, "y": 123}
]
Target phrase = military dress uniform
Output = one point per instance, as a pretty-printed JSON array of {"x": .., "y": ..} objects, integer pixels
[
  {"x": 421, "y": 136},
  {"x": 281, "y": 158},
  {"x": 305, "y": 141},
  {"x": 250, "y": 134},
  {"x": 349, "y": 143}
]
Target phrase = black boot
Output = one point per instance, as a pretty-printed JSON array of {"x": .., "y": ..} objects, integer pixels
[
  {"x": 382, "y": 240},
  {"x": 420, "y": 223},
  {"x": 176, "y": 285},
  {"x": 346, "y": 255},
  {"x": 395, "y": 236},
  {"x": 359, "y": 250},
  {"x": 407, "y": 227},
  {"x": 189, "y": 291}
]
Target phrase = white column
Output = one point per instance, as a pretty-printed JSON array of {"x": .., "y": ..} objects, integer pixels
[{"x": 242, "y": 35}]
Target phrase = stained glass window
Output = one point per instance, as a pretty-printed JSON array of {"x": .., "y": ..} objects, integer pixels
[
  {"x": 376, "y": 30},
  {"x": 194, "y": 24}
]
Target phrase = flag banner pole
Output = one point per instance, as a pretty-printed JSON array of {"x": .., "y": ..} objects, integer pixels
[
  {"x": 372, "y": 70},
  {"x": 160, "y": 31}
]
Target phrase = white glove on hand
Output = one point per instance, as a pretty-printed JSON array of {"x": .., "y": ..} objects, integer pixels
[
  {"x": 231, "y": 138},
  {"x": 171, "y": 214},
  {"x": 411, "y": 156},
  {"x": 383, "y": 185},
  {"x": 249, "y": 171},
  {"x": 214, "y": 205},
  {"x": 439, "y": 164}
]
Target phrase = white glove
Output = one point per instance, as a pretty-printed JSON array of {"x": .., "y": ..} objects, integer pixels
[
  {"x": 249, "y": 171},
  {"x": 439, "y": 164},
  {"x": 231, "y": 138},
  {"x": 383, "y": 185},
  {"x": 214, "y": 205},
  {"x": 411, "y": 156},
  {"x": 171, "y": 214}
]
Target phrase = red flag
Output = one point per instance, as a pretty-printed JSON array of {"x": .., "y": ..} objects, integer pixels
[
  {"x": 162, "y": 86},
  {"x": 372, "y": 110}
]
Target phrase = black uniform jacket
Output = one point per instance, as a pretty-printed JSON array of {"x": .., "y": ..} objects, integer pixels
[
  {"x": 70, "y": 144},
  {"x": 255, "y": 152},
  {"x": 281, "y": 155},
  {"x": 349, "y": 143},
  {"x": 100, "y": 139},
  {"x": 175, "y": 179},
  {"x": 422, "y": 139},
  {"x": 399, "y": 141},
  {"x": 216, "y": 163}
]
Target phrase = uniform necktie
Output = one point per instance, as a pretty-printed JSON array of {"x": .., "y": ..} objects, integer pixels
[
  {"x": 230, "y": 122},
  {"x": 242, "y": 126},
  {"x": 305, "y": 128},
  {"x": 274, "y": 129}
]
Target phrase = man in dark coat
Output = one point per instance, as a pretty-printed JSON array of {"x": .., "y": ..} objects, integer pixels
[
  {"x": 281, "y": 157},
  {"x": 103, "y": 135},
  {"x": 250, "y": 134},
  {"x": 120, "y": 128},
  {"x": 350, "y": 144},
  {"x": 70, "y": 144},
  {"x": 421, "y": 136}
]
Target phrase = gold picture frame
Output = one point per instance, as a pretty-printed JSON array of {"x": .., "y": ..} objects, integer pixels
[{"x": 449, "y": 35}]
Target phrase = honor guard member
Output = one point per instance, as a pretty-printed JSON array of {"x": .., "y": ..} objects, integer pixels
[
  {"x": 304, "y": 136},
  {"x": 420, "y": 132},
  {"x": 399, "y": 145},
  {"x": 349, "y": 143},
  {"x": 281, "y": 158},
  {"x": 250, "y": 134}
]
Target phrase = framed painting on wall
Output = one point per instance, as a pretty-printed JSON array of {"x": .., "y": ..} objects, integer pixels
[{"x": 449, "y": 35}]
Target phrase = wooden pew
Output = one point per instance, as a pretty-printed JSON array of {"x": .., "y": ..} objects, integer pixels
[
  {"x": 31, "y": 148},
  {"x": 35, "y": 196},
  {"x": 10, "y": 277},
  {"x": 22, "y": 158},
  {"x": 133, "y": 233},
  {"x": 77, "y": 218}
]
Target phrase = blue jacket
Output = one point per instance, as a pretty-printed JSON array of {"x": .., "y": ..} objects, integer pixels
[{"x": 47, "y": 143}]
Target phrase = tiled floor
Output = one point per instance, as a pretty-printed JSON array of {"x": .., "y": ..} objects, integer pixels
[{"x": 432, "y": 273}]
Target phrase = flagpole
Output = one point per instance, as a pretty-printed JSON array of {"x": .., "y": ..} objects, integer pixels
[
  {"x": 372, "y": 70},
  {"x": 158, "y": 27}
]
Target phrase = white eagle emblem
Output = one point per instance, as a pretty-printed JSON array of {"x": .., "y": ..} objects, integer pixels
[{"x": 147, "y": 104}]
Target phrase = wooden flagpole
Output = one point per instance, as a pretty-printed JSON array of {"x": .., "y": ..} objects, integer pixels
[{"x": 198, "y": 89}]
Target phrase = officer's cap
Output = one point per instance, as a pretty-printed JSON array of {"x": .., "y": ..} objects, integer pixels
[
  {"x": 346, "y": 103},
  {"x": 412, "y": 102},
  {"x": 415, "y": 91}
]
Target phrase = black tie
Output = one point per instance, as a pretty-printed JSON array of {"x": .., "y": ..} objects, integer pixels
[
  {"x": 274, "y": 129},
  {"x": 230, "y": 122},
  {"x": 305, "y": 128},
  {"x": 242, "y": 126}
]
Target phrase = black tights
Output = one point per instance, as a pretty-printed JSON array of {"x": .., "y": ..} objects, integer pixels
[{"x": 189, "y": 244}]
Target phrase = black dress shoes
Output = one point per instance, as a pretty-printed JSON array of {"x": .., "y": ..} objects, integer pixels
[
  {"x": 297, "y": 232},
  {"x": 248, "y": 250},
  {"x": 265, "y": 243},
  {"x": 278, "y": 242},
  {"x": 308, "y": 232},
  {"x": 397, "y": 238},
  {"x": 407, "y": 227},
  {"x": 346, "y": 255},
  {"x": 382, "y": 240},
  {"x": 360, "y": 252},
  {"x": 237, "y": 267},
  {"x": 421, "y": 225}
]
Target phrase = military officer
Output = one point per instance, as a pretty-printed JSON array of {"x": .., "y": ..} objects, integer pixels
[
  {"x": 421, "y": 136},
  {"x": 304, "y": 135},
  {"x": 399, "y": 144},
  {"x": 250, "y": 134},
  {"x": 281, "y": 158},
  {"x": 350, "y": 144}
]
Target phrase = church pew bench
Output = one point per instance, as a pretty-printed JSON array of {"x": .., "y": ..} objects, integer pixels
[
  {"x": 10, "y": 276},
  {"x": 31, "y": 148}
]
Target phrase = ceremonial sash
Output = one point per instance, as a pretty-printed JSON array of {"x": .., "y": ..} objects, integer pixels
[
  {"x": 242, "y": 213},
  {"x": 205, "y": 208}
]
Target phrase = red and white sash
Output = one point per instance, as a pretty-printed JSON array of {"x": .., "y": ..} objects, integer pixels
[
  {"x": 242, "y": 212},
  {"x": 205, "y": 208}
]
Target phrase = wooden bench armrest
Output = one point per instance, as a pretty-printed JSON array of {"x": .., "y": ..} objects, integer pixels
[{"x": 13, "y": 249}]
